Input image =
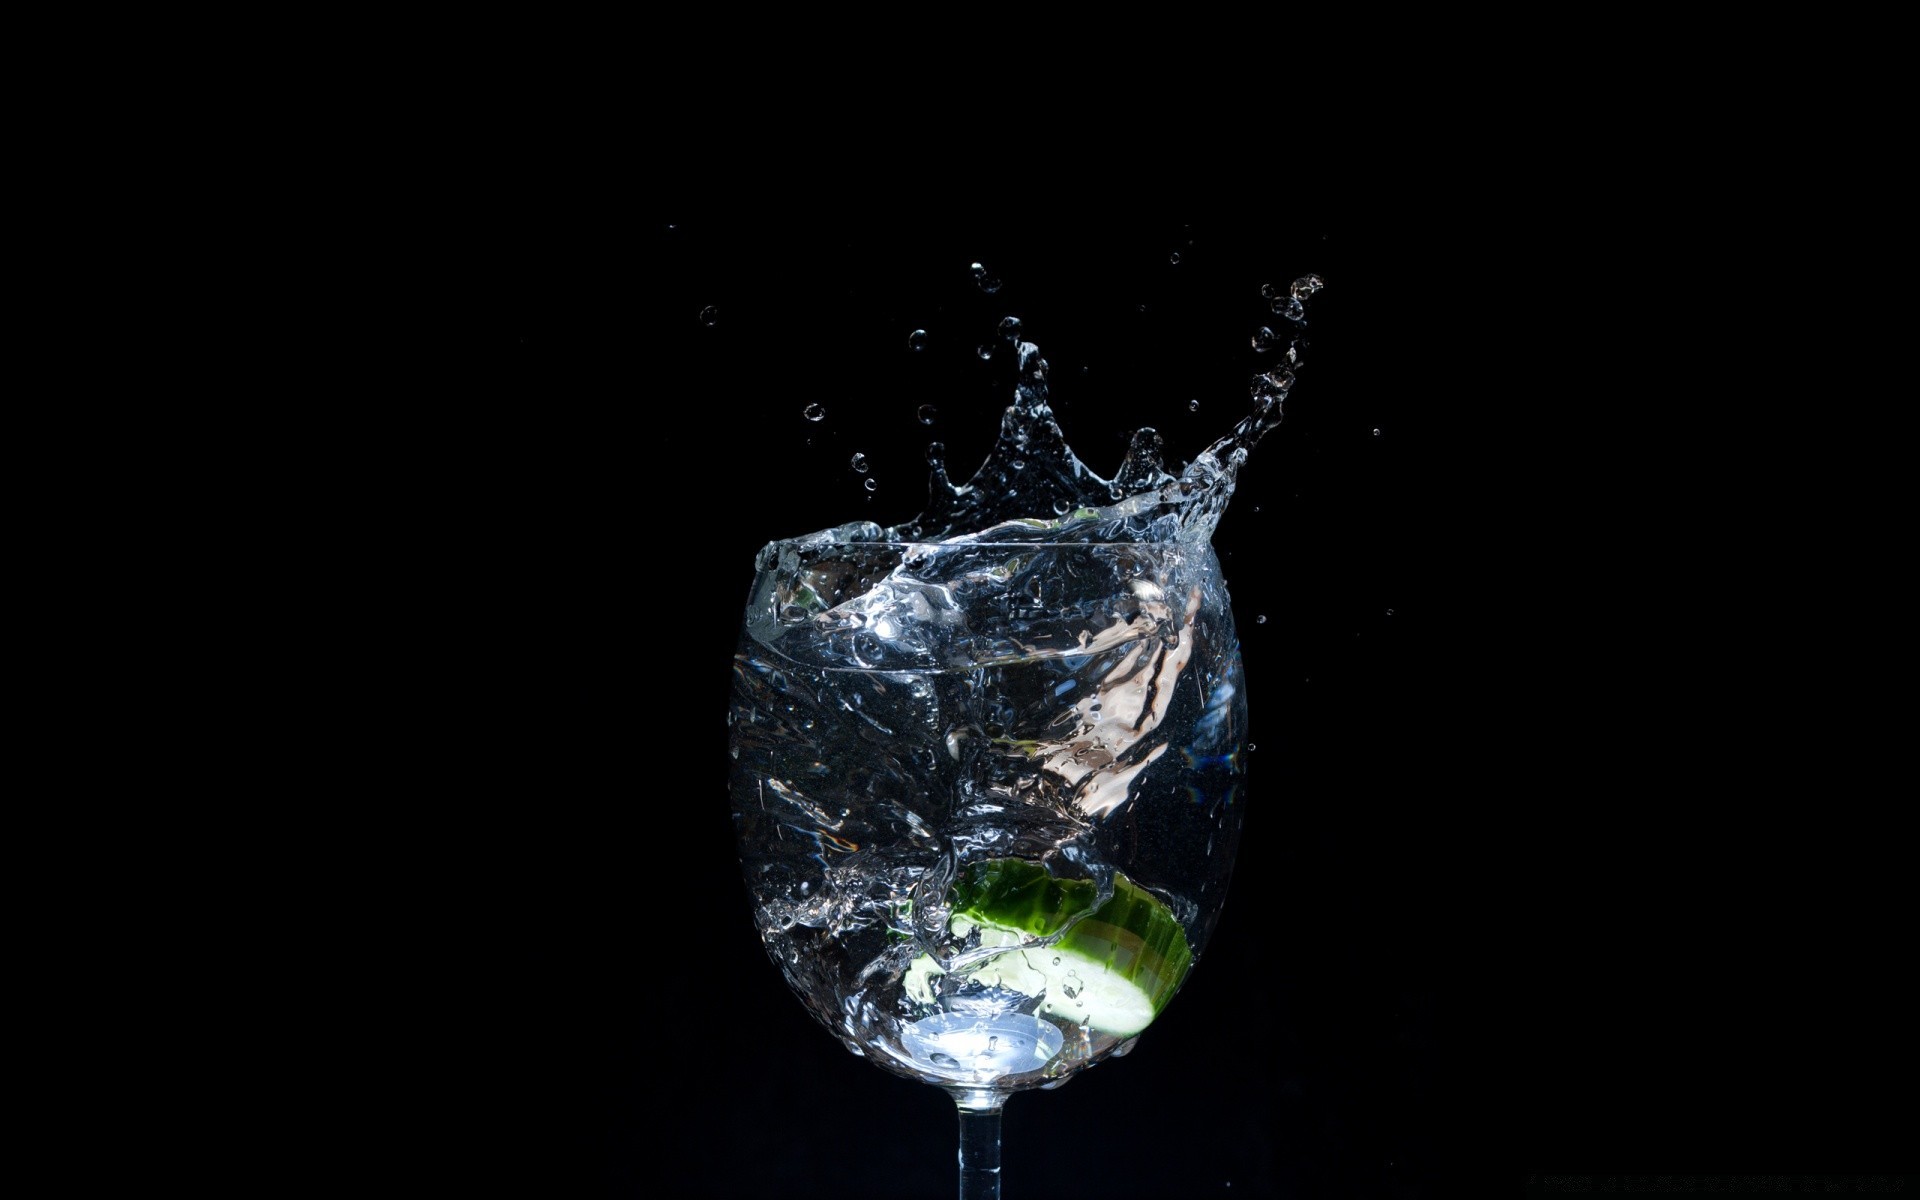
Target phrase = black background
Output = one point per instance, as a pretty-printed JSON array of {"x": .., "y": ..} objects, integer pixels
[{"x": 1508, "y": 897}]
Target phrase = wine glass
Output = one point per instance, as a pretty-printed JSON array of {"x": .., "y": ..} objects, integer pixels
[{"x": 987, "y": 796}]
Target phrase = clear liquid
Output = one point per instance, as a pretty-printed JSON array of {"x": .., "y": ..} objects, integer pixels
[{"x": 1062, "y": 688}]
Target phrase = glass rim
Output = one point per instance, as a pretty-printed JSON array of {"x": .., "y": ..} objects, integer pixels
[{"x": 890, "y": 544}]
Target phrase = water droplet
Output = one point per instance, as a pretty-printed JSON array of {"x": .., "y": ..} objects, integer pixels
[
  {"x": 983, "y": 350},
  {"x": 1293, "y": 352},
  {"x": 1376, "y": 433},
  {"x": 1256, "y": 508},
  {"x": 943, "y": 1059},
  {"x": 1018, "y": 464},
  {"x": 1261, "y": 619},
  {"x": 1061, "y": 508},
  {"x": 1290, "y": 308},
  {"x": 1143, "y": 308},
  {"x": 1251, "y": 747},
  {"x": 1174, "y": 258},
  {"x": 1268, "y": 291},
  {"x": 709, "y": 315},
  {"x": 1010, "y": 328},
  {"x": 872, "y": 483},
  {"x": 1280, "y": 378},
  {"x": 986, "y": 283},
  {"x": 993, "y": 1043},
  {"x": 1306, "y": 286},
  {"x": 1389, "y": 612},
  {"x": 936, "y": 451},
  {"x": 859, "y": 462},
  {"x": 1263, "y": 339},
  {"x": 917, "y": 340},
  {"x": 815, "y": 413},
  {"x": 1193, "y": 406}
]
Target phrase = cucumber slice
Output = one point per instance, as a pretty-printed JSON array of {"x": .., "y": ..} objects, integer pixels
[{"x": 1114, "y": 969}]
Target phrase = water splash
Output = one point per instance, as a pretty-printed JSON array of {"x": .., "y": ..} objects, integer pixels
[{"x": 1058, "y": 497}]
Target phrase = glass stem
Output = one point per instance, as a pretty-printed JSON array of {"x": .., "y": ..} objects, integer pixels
[{"x": 979, "y": 1142}]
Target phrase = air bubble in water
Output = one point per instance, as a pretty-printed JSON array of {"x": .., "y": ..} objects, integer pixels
[
  {"x": 1061, "y": 508},
  {"x": 815, "y": 412},
  {"x": 1018, "y": 464},
  {"x": 1263, "y": 339},
  {"x": 859, "y": 462},
  {"x": 1290, "y": 308},
  {"x": 927, "y": 413},
  {"x": 1306, "y": 286},
  {"x": 1010, "y": 328},
  {"x": 871, "y": 483},
  {"x": 709, "y": 315},
  {"x": 917, "y": 340}
]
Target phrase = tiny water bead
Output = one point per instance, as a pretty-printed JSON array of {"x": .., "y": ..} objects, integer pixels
[
  {"x": 859, "y": 462},
  {"x": 709, "y": 316},
  {"x": 1290, "y": 308},
  {"x": 1174, "y": 258},
  {"x": 1376, "y": 433},
  {"x": 1306, "y": 286},
  {"x": 987, "y": 283},
  {"x": 927, "y": 413},
  {"x": 815, "y": 412},
  {"x": 1193, "y": 406},
  {"x": 1261, "y": 619},
  {"x": 917, "y": 340},
  {"x": 936, "y": 453},
  {"x": 1010, "y": 328},
  {"x": 983, "y": 350},
  {"x": 872, "y": 483},
  {"x": 1263, "y": 339}
]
